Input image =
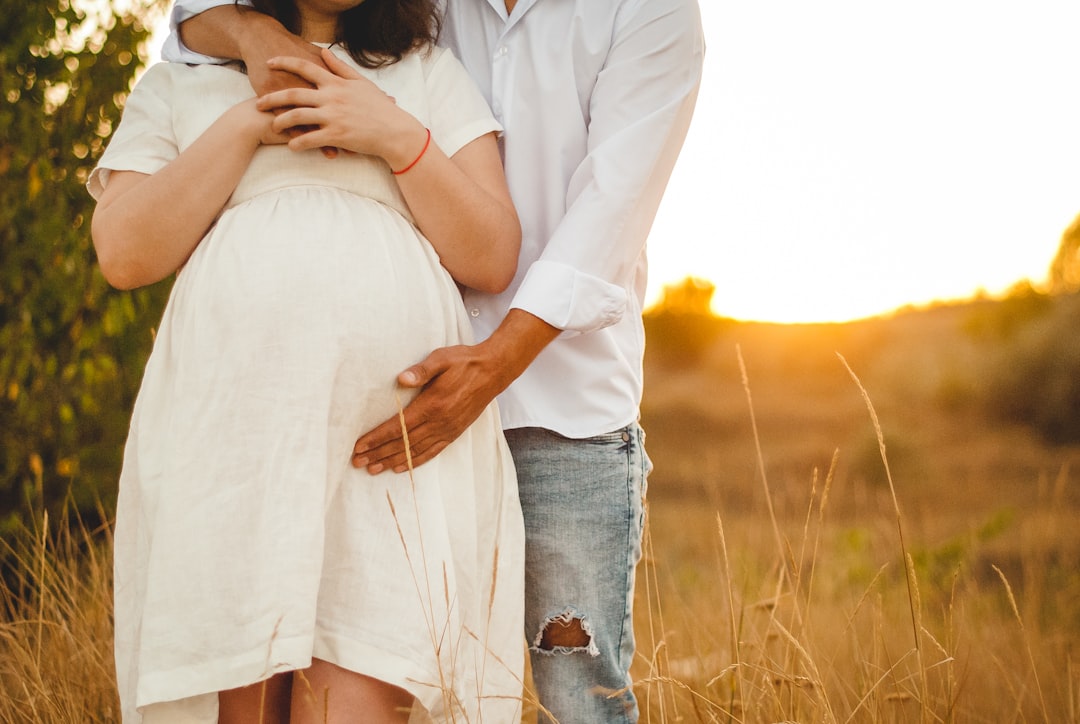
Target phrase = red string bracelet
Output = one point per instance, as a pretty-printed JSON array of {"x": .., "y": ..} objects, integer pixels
[{"x": 417, "y": 159}]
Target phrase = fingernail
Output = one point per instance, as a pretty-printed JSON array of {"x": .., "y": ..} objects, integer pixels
[
  {"x": 401, "y": 468},
  {"x": 359, "y": 462},
  {"x": 375, "y": 469},
  {"x": 408, "y": 378}
]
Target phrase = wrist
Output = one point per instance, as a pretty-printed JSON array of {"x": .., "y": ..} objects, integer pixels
[
  {"x": 248, "y": 123},
  {"x": 255, "y": 33},
  {"x": 517, "y": 342},
  {"x": 404, "y": 150},
  {"x": 408, "y": 167}
]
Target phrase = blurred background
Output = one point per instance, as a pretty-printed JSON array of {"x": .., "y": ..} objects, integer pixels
[{"x": 863, "y": 362}]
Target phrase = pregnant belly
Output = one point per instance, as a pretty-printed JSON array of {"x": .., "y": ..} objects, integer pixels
[{"x": 315, "y": 268}]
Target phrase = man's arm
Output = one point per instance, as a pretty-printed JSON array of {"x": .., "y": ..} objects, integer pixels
[
  {"x": 239, "y": 33},
  {"x": 639, "y": 113}
]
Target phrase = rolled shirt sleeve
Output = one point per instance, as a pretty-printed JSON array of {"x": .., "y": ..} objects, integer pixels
[
  {"x": 568, "y": 298},
  {"x": 638, "y": 115}
]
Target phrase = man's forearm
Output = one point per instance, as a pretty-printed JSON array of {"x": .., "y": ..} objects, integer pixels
[
  {"x": 224, "y": 31},
  {"x": 236, "y": 32},
  {"x": 518, "y": 341}
]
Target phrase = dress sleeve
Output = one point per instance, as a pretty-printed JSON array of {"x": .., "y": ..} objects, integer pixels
[
  {"x": 144, "y": 140},
  {"x": 458, "y": 112},
  {"x": 175, "y": 51},
  {"x": 640, "y": 111}
]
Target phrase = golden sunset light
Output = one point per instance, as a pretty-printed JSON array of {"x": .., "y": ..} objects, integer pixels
[{"x": 847, "y": 158}]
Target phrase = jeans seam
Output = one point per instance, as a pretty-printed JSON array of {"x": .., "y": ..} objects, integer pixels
[{"x": 630, "y": 518}]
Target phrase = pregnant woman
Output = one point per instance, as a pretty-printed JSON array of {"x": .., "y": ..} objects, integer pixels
[{"x": 259, "y": 577}]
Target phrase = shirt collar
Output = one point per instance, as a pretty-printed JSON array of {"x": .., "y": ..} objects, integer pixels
[{"x": 520, "y": 9}]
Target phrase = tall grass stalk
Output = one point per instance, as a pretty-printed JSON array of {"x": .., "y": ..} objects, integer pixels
[
  {"x": 909, "y": 567},
  {"x": 1027, "y": 641},
  {"x": 436, "y": 631},
  {"x": 780, "y": 548},
  {"x": 738, "y": 686},
  {"x": 659, "y": 667}
]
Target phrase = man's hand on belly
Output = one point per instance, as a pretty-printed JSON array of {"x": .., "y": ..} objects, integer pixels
[{"x": 457, "y": 383}]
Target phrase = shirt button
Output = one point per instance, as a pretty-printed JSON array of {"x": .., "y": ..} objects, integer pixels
[
  {"x": 474, "y": 312},
  {"x": 501, "y": 52}
]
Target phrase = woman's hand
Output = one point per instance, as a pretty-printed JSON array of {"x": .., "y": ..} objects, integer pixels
[
  {"x": 259, "y": 123},
  {"x": 343, "y": 109}
]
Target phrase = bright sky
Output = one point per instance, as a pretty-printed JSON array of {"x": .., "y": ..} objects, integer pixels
[{"x": 851, "y": 156}]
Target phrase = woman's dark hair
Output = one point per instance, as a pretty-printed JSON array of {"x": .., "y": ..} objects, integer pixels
[{"x": 375, "y": 32}]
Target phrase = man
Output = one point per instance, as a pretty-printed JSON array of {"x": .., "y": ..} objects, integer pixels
[{"x": 595, "y": 97}]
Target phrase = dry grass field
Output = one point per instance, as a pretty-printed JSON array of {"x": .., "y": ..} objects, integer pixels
[
  {"x": 802, "y": 569},
  {"x": 829, "y": 540}
]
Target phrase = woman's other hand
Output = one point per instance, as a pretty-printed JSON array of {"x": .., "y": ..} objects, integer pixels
[{"x": 342, "y": 109}]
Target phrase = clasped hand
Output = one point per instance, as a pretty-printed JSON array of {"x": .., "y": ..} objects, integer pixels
[{"x": 342, "y": 110}]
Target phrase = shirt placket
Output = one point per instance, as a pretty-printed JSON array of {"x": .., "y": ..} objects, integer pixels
[
  {"x": 501, "y": 73},
  {"x": 501, "y": 82}
]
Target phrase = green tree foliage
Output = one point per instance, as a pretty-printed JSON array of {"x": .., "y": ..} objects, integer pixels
[
  {"x": 1030, "y": 373},
  {"x": 71, "y": 349},
  {"x": 1000, "y": 320},
  {"x": 1065, "y": 268},
  {"x": 1035, "y": 378},
  {"x": 681, "y": 327}
]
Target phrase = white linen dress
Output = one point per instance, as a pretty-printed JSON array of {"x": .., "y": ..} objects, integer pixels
[{"x": 245, "y": 542}]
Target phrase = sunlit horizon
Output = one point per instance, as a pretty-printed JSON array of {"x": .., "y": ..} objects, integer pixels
[
  {"x": 847, "y": 159},
  {"x": 656, "y": 299}
]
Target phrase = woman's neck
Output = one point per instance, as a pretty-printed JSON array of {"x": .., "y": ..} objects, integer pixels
[{"x": 318, "y": 27}]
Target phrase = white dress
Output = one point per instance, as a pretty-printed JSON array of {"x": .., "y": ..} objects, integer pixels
[{"x": 245, "y": 542}]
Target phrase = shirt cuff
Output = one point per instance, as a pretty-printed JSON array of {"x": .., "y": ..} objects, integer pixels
[
  {"x": 175, "y": 51},
  {"x": 569, "y": 299}
]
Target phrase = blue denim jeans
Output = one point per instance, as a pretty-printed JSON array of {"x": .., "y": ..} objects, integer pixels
[{"x": 583, "y": 502}]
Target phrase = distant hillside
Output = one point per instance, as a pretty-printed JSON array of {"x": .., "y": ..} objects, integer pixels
[{"x": 959, "y": 391}]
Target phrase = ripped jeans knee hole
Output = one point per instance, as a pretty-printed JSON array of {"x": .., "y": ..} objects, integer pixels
[{"x": 565, "y": 633}]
